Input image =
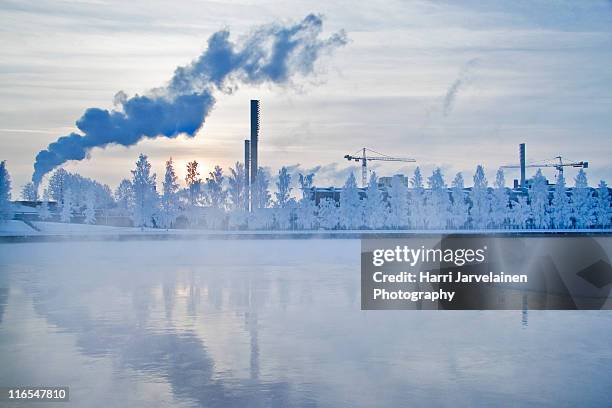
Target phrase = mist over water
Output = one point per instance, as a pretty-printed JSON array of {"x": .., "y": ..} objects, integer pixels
[{"x": 271, "y": 323}]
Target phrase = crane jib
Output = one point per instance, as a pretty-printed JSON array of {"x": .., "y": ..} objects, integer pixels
[{"x": 364, "y": 159}]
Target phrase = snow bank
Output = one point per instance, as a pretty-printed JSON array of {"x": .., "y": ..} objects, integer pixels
[
  {"x": 16, "y": 228},
  {"x": 51, "y": 230}
]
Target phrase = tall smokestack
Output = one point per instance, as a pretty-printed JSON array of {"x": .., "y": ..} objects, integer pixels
[
  {"x": 254, "y": 140},
  {"x": 522, "y": 160},
  {"x": 247, "y": 179}
]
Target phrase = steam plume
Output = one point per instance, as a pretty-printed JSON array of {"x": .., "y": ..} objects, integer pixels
[{"x": 272, "y": 54}]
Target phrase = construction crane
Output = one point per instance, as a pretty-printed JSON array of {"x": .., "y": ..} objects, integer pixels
[
  {"x": 559, "y": 165},
  {"x": 364, "y": 159}
]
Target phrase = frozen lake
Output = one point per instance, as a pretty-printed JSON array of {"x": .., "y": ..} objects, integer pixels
[{"x": 271, "y": 323}]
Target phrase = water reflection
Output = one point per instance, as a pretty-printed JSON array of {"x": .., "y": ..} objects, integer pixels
[
  {"x": 4, "y": 294},
  {"x": 525, "y": 312},
  {"x": 267, "y": 329}
]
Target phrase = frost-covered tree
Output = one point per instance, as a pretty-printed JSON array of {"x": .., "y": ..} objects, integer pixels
[
  {"x": 306, "y": 183},
  {"x": 538, "y": 201},
  {"x": 67, "y": 208},
  {"x": 328, "y": 216},
  {"x": 260, "y": 218},
  {"x": 102, "y": 192},
  {"x": 582, "y": 204},
  {"x": 237, "y": 184},
  {"x": 5, "y": 192},
  {"x": 194, "y": 183},
  {"x": 561, "y": 211},
  {"x": 43, "y": 208},
  {"x": 145, "y": 194},
  {"x": 79, "y": 186},
  {"x": 306, "y": 213},
  {"x": 124, "y": 197},
  {"x": 283, "y": 188},
  {"x": 104, "y": 195},
  {"x": 398, "y": 203},
  {"x": 90, "y": 207},
  {"x": 213, "y": 218},
  {"x": 459, "y": 207},
  {"x": 417, "y": 200},
  {"x": 261, "y": 189},
  {"x": 284, "y": 217},
  {"x": 29, "y": 192},
  {"x": 193, "y": 192},
  {"x": 481, "y": 202},
  {"x": 438, "y": 202},
  {"x": 520, "y": 213},
  {"x": 215, "y": 192},
  {"x": 238, "y": 197},
  {"x": 351, "y": 209},
  {"x": 57, "y": 185},
  {"x": 603, "y": 213},
  {"x": 238, "y": 219},
  {"x": 375, "y": 207},
  {"x": 499, "y": 201},
  {"x": 169, "y": 204}
]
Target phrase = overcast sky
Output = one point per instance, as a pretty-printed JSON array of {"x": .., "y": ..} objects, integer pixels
[{"x": 451, "y": 84}]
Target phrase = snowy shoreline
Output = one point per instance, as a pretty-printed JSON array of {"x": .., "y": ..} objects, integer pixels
[{"x": 17, "y": 231}]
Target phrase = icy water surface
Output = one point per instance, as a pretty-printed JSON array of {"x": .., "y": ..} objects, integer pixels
[{"x": 259, "y": 323}]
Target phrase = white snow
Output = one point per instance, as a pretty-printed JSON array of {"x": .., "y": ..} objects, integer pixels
[{"x": 16, "y": 228}]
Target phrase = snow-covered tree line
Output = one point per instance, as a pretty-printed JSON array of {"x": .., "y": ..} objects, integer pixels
[
  {"x": 208, "y": 202},
  {"x": 220, "y": 200},
  {"x": 426, "y": 203},
  {"x": 73, "y": 194},
  {"x": 430, "y": 204}
]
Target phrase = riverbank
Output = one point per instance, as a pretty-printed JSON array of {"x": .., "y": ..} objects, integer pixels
[{"x": 18, "y": 231}]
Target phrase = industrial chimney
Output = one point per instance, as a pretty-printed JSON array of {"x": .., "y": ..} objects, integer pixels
[
  {"x": 522, "y": 161},
  {"x": 254, "y": 140},
  {"x": 247, "y": 180}
]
